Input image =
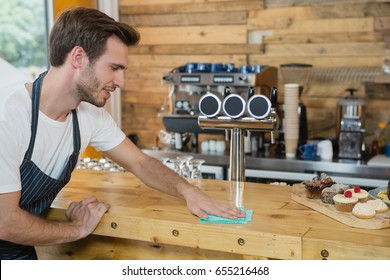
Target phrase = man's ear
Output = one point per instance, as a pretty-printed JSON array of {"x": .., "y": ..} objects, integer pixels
[{"x": 78, "y": 57}]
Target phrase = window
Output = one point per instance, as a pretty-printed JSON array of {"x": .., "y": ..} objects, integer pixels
[{"x": 23, "y": 35}]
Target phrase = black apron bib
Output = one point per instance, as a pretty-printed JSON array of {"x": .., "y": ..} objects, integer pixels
[{"x": 38, "y": 189}]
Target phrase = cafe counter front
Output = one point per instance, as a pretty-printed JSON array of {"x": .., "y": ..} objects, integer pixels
[{"x": 143, "y": 223}]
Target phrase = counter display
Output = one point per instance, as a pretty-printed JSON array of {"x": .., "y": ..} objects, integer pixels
[{"x": 146, "y": 224}]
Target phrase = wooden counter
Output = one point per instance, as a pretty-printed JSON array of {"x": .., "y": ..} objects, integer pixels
[{"x": 146, "y": 224}]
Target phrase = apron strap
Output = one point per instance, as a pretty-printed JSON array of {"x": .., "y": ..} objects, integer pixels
[
  {"x": 36, "y": 93},
  {"x": 36, "y": 90},
  {"x": 76, "y": 132}
]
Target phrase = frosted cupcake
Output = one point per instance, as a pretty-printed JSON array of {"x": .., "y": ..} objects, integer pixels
[
  {"x": 345, "y": 202},
  {"x": 360, "y": 194}
]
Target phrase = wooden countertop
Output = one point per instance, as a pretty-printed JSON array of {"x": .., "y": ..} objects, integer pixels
[{"x": 280, "y": 229}]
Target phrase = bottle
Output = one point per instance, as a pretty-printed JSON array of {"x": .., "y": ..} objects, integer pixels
[
  {"x": 381, "y": 138},
  {"x": 386, "y": 133}
]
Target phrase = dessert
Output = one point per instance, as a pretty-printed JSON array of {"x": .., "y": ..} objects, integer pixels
[
  {"x": 388, "y": 189},
  {"x": 341, "y": 188},
  {"x": 363, "y": 211},
  {"x": 314, "y": 187},
  {"x": 382, "y": 195},
  {"x": 344, "y": 202},
  {"x": 328, "y": 193},
  {"x": 360, "y": 194},
  {"x": 378, "y": 205}
]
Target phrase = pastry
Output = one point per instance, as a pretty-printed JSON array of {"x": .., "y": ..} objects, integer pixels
[
  {"x": 388, "y": 189},
  {"x": 378, "y": 205},
  {"x": 364, "y": 210},
  {"x": 344, "y": 202},
  {"x": 314, "y": 187},
  {"x": 340, "y": 188},
  {"x": 328, "y": 193},
  {"x": 360, "y": 194},
  {"x": 383, "y": 195}
]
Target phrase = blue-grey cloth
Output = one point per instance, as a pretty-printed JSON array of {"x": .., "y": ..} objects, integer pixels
[{"x": 221, "y": 220}]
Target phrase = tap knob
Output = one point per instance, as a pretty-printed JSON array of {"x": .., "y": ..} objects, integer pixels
[
  {"x": 251, "y": 92},
  {"x": 226, "y": 91},
  {"x": 274, "y": 97}
]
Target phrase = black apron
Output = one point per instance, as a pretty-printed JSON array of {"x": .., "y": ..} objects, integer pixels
[{"x": 38, "y": 189}]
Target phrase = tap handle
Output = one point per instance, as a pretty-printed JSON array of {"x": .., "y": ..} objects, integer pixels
[
  {"x": 272, "y": 137},
  {"x": 251, "y": 92},
  {"x": 274, "y": 97},
  {"x": 226, "y": 92}
]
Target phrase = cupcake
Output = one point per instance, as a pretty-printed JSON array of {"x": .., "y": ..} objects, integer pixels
[
  {"x": 314, "y": 187},
  {"x": 360, "y": 194},
  {"x": 344, "y": 202}
]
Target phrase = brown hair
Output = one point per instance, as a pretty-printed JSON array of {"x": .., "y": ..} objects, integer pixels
[{"x": 89, "y": 29}]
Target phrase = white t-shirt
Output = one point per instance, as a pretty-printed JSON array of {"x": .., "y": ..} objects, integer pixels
[{"x": 54, "y": 140}]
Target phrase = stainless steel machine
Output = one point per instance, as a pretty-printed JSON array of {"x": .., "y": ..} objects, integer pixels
[{"x": 351, "y": 126}]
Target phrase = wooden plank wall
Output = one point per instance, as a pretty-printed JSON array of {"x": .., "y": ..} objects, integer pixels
[{"x": 344, "y": 40}]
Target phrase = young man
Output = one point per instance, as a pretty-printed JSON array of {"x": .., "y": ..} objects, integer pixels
[{"x": 45, "y": 125}]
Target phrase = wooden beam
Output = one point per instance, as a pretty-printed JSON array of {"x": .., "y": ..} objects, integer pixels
[
  {"x": 211, "y": 34},
  {"x": 382, "y": 24},
  {"x": 293, "y": 3},
  {"x": 162, "y": 7},
  {"x": 204, "y": 18},
  {"x": 219, "y": 49},
  {"x": 326, "y": 50},
  {"x": 324, "y": 38}
]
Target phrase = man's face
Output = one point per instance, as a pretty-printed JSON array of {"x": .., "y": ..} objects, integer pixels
[{"x": 100, "y": 79}]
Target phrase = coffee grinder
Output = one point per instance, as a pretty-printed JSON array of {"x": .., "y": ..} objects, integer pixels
[{"x": 350, "y": 125}]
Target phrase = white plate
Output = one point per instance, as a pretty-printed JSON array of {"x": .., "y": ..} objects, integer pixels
[{"x": 374, "y": 192}]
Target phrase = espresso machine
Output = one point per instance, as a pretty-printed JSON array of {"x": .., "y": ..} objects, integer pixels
[
  {"x": 350, "y": 125},
  {"x": 193, "y": 83}
]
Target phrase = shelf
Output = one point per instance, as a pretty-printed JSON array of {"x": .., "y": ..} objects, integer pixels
[{"x": 382, "y": 79}]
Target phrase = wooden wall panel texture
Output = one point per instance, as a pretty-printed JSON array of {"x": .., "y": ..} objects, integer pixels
[{"x": 344, "y": 40}]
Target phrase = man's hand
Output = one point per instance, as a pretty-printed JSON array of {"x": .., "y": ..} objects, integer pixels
[
  {"x": 201, "y": 205},
  {"x": 86, "y": 214}
]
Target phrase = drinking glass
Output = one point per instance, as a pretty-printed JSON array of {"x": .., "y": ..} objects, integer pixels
[
  {"x": 185, "y": 166},
  {"x": 196, "y": 173},
  {"x": 176, "y": 165},
  {"x": 163, "y": 160}
]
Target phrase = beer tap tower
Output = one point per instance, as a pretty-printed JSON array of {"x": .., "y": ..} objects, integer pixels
[
  {"x": 218, "y": 98},
  {"x": 260, "y": 115}
]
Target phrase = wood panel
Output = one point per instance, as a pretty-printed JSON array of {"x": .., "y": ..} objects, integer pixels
[
  {"x": 188, "y": 6},
  {"x": 331, "y": 34},
  {"x": 213, "y": 34},
  {"x": 205, "y": 18},
  {"x": 206, "y": 49},
  {"x": 108, "y": 248}
]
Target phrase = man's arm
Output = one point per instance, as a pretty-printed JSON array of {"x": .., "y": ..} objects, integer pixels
[
  {"x": 22, "y": 227},
  {"x": 156, "y": 175}
]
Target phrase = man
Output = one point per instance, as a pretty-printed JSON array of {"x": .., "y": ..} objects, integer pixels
[{"x": 45, "y": 125}]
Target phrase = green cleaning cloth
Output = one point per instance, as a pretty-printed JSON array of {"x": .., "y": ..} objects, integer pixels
[{"x": 220, "y": 220}]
